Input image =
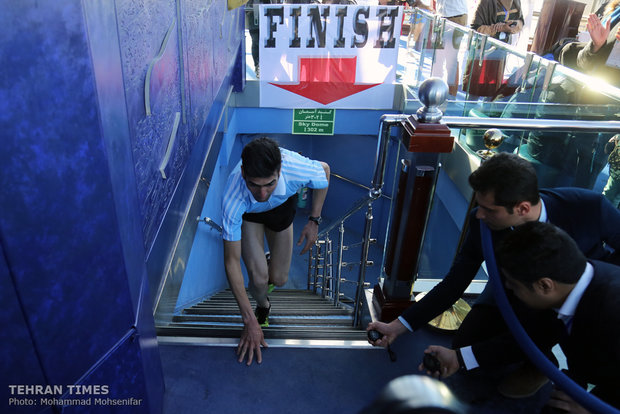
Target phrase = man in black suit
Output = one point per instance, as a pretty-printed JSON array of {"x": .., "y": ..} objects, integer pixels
[
  {"x": 576, "y": 301},
  {"x": 546, "y": 270},
  {"x": 506, "y": 190}
]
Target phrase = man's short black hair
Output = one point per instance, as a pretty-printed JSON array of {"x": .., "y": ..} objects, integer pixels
[
  {"x": 534, "y": 250},
  {"x": 260, "y": 158},
  {"x": 511, "y": 178}
]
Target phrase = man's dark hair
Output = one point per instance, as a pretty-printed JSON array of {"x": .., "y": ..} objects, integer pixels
[
  {"x": 535, "y": 249},
  {"x": 261, "y": 158},
  {"x": 511, "y": 178}
]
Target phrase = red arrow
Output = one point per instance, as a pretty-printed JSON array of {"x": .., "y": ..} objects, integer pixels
[{"x": 325, "y": 80}]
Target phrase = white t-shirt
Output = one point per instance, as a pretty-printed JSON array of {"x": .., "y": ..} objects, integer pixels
[{"x": 451, "y": 8}]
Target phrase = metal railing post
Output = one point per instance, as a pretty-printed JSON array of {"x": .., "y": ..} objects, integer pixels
[
  {"x": 339, "y": 269},
  {"x": 317, "y": 259},
  {"x": 326, "y": 256},
  {"x": 362, "y": 275},
  {"x": 310, "y": 258}
]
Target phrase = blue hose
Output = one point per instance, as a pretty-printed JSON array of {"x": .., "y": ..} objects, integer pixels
[{"x": 539, "y": 359}]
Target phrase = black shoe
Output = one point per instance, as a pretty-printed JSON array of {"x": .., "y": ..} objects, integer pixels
[{"x": 262, "y": 315}]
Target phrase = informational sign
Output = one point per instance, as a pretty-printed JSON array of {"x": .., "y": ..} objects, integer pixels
[
  {"x": 314, "y": 121},
  {"x": 328, "y": 56}
]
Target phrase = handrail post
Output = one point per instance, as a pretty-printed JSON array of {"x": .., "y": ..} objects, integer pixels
[
  {"x": 425, "y": 137},
  {"x": 326, "y": 271},
  {"x": 339, "y": 269},
  {"x": 310, "y": 258},
  {"x": 317, "y": 259},
  {"x": 362, "y": 275},
  {"x": 387, "y": 121}
]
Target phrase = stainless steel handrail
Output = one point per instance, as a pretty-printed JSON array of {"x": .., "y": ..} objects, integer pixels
[
  {"x": 211, "y": 223},
  {"x": 387, "y": 121},
  {"x": 531, "y": 124},
  {"x": 359, "y": 204},
  {"x": 355, "y": 183}
]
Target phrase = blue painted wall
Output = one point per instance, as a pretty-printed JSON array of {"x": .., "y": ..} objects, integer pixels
[
  {"x": 211, "y": 39},
  {"x": 83, "y": 201}
]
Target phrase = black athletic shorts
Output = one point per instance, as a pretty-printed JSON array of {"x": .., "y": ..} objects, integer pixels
[{"x": 276, "y": 219}]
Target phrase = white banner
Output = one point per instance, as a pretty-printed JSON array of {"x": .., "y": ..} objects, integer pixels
[{"x": 328, "y": 56}]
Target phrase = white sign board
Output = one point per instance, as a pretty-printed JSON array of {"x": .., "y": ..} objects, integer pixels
[{"x": 328, "y": 56}]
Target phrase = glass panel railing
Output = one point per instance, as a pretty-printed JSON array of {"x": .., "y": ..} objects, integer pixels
[{"x": 488, "y": 78}]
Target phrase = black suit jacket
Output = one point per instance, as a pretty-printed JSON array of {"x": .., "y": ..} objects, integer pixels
[
  {"x": 592, "y": 348},
  {"x": 588, "y": 217}
]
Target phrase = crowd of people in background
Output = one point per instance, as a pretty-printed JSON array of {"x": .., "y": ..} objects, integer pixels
[{"x": 561, "y": 158}]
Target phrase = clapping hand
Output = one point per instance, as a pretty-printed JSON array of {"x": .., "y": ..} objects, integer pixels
[{"x": 598, "y": 32}]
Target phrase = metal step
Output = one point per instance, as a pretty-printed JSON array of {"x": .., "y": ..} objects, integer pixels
[{"x": 295, "y": 314}]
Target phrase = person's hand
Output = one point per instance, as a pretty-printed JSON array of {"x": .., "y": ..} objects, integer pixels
[
  {"x": 618, "y": 34},
  {"x": 390, "y": 331},
  {"x": 487, "y": 29},
  {"x": 310, "y": 232},
  {"x": 499, "y": 27},
  {"x": 447, "y": 358},
  {"x": 562, "y": 401},
  {"x": 598, "y": 32},
  {"x": 513, "y": 26},
  {"x": 503, "y": 27},
  {"x": 251, "y": 340}
]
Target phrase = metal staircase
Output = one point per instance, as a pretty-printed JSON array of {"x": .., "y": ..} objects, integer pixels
[
  {"x": 295, "y": 314},
  {"x": 322, "y": 311}
]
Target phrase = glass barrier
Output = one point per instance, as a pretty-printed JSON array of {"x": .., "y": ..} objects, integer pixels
[{"x": 489, "y": 78}]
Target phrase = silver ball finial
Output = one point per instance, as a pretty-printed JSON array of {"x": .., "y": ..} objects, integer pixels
[
  {"x": 432, "y": 93},
  {"x": 493, "y": 138}
]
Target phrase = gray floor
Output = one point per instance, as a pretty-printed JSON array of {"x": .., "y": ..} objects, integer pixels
[{"x": 208, "y": 379}]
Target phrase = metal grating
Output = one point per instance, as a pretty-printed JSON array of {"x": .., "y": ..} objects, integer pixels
[{"x": 295, "y": 314}]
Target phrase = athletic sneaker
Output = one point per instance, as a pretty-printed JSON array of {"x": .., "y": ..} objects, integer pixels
[{"x": 262, "y": 315}]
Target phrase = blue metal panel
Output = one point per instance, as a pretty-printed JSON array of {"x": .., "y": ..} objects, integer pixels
[
  {"x": 19, "y": 362},
  {"x": 59, "y": 226},
  {"x": 198, "y": 60},
  {"x": 106, "y": 55},
  {"x": 206, "y": 151},
  {"x": 224, "y": 37},
  {"x": 208, "y": 86},
  {"x": 148, "y": 38},
  {"x": 239, "y": 69},
  {"x": 149, "y": 353},
  {"x": 106, "y": 59},
  {"x": 207, "y": 250},
  {"x": 122, "y": 374}
]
